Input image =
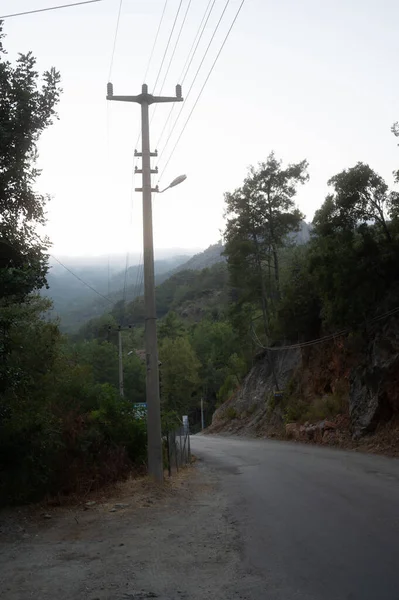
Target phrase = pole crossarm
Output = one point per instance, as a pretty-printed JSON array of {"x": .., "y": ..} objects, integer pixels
[{"x": 144, "y": 97}]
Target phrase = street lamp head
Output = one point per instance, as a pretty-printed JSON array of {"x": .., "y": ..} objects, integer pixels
[{"x": 178, "y": 180}]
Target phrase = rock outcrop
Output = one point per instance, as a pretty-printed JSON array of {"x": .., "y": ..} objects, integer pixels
[
  {"x": 331, "y": 390},
  {"x": 374, "y": 383}
]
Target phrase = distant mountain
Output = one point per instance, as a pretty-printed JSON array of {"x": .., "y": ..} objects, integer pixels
[
  {"x": 74, "y": 302},
  {"x": 214, "y": 254},
  {"x": 209, "y": 257},
  {"x": 303, "y": 235}
]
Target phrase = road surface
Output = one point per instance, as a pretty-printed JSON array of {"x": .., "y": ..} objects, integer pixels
[{"x": 314, "y": 523}]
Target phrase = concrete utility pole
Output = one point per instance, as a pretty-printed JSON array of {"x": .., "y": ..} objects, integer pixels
[
  {"x": 202, "y": 414},
  {"x": 155, "y": 458},
  {"x": 120, "y": 363},
  {"x": 120, "y": 354}
]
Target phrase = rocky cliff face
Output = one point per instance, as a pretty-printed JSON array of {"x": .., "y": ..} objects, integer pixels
[
  {"x": 374, "y": 383},
  {"x": 341, "y": 389}
]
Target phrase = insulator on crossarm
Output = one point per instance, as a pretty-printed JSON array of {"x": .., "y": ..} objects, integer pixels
[
  {"x": 178, "y": 91},
  {"x": 110, "y": 90}
]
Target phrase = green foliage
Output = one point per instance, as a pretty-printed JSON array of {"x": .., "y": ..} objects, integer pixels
[
  {"x": 179, "y": 374},
  {"x": 260, "y": 215},
  {"x": 59, "y": 428},
  {"x": 63, "y": 425},
  {"x": 360, "y": 197},
  {"x": 171, "y": 327},
  {"x": 27, "y": 109},
  {"x": 297, "y": 410},
  {"x": 231, "y": 413},
  {"x": 395, "y": 131}
]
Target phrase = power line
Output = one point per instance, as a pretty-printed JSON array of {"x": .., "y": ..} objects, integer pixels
[
  {"x": 136, "y": 287},
  {"x": 155, "y": 41},
  {"x": 175, "y": 47},
  {"x": 172, "y": 57},
  {"x": 192, "y": 83},
  {"x": 189, "y": 60},
  {"x": 81, "y": 280},
  {"x": 115, "y": 38},
  {"x": 194, "y": 80},
  {"x": 151, "y": 56},
  {"x": 167, "y": 45},
  {"x": 326, "y": 338},
  {"x": 108, "y": 276},
  {"x": 125, "y": 278},
  {"x": 203, "y": 86},
  {"x": 39, "y": 10}
]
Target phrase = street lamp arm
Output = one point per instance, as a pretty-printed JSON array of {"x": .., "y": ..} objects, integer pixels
[{"x": 176, "y": 181}]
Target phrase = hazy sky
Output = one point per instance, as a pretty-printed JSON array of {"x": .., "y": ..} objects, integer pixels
[{"x": 310, "y": 79}]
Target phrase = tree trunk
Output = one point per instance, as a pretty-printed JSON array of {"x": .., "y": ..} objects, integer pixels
[
  {"x": 262, "y": 285},
  {"x": 276, "y": 271}
]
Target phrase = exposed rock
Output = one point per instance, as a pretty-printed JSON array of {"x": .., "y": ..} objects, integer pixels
[
  {"x": 251, "y": 402},
  {"x": 355, "y": 382},
  {"x": 374, "y": 384}
]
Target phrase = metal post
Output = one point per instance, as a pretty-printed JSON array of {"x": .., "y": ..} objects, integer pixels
[
  {"x": 155, "y": 463},
  {"x": 202, "y": 414},
  {"x": 155, "y": 458},
  {"x": 121, "y": 391}
]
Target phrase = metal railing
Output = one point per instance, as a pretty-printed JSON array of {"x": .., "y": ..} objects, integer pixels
[{"x": 178, "y": 452}]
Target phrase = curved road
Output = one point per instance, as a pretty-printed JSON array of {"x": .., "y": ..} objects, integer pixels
[{"x": 315, "y": 523}]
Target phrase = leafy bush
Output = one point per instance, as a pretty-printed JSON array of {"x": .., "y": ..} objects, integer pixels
[{"x": 231, "y": 413}]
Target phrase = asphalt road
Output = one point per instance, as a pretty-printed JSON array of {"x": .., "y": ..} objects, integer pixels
[{"x": 314, "y": 523}]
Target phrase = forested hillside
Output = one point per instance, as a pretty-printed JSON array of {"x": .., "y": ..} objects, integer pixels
[
  {"x": 74, "y": 302},
  {"x": 324, "y": 320},
  {"x": 283, "y": 324}
]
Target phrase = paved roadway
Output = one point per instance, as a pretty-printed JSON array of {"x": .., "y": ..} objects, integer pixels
[{"x": 315, "y": 523}]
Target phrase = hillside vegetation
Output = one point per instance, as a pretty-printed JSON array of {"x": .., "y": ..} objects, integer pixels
[
  {"x": 227, "y": 319},
  {"x": 335, "y": 306}
]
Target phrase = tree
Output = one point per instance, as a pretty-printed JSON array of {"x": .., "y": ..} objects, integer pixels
[
  {"x": 26, "y": 110},
  {"x": 179, "y": 374},
  {"x": 360, "y": 196},
  {"x": 260, "y": 215},
  {"x": 395, "y": 131},
  {"x": 171, "y": 327}
]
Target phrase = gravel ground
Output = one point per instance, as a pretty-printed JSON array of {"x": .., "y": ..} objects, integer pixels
[{"x": 172, "y": 542}]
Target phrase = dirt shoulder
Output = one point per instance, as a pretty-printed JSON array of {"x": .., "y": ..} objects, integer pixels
[{"x": 142, "y": 541}]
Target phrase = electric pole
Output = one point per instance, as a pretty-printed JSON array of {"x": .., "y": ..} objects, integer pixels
[
  {"x": 155, "y": 455},
  {"x": 120, "y": 363},
  {"x": 120, "y": 354},
  {"x": 202, "y": 414}
]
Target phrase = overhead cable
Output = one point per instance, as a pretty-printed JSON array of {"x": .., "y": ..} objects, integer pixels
[
  {"x": 151, "y": 56},
  {"x": 81, "y": 280},
  {"x": 155, "y": 41},
  {"x": 115, "y": 38},
  {"x": 175, "y": 46},
  {"x": 167, "y": 45},
  {"x": 196, "y": 41},
  {"x": 186, "y": 96},
  {"x": 203, "y": 87},
  {"x": 39, "y": 10},
  {"x": 189, "y": 60},
  {"x": 172, "y": 57},
  {"x": 326, "y": 338}
]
